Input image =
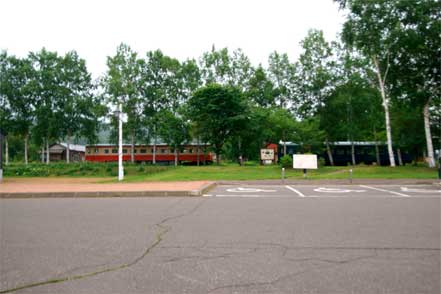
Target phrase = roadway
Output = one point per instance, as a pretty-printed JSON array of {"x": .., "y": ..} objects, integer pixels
[{"x": 234, "y": 239}]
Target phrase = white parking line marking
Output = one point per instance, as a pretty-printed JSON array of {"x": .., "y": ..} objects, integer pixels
[
  {"x": 337, "y": 190},
  {"x": 382, "y": 190},
  {"x": 295, "y": 191},
  {"x": 241, "y": 196},
  {"x": 248, "y": 190},
  {"x": 405, "y": 189}
]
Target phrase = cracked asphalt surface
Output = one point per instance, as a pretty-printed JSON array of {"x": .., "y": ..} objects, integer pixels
[{"x": 374, "y": 243}]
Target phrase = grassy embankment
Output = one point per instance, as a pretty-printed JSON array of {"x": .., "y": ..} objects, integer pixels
[{"x": 252, "y": 171}]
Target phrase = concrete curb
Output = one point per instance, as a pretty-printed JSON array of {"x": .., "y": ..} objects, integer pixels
[{"x": 109, "y": 194}]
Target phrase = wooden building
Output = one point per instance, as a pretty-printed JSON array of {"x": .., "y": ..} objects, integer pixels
[{"x": 58, "y": 152}]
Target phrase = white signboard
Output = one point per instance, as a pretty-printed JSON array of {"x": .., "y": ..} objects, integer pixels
[
  {"x": 267, "y": 154},
  {"x": 301, "y": 161}
]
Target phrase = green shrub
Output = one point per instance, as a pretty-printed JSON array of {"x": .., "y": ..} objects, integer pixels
[{"x": 286, "y": 161}]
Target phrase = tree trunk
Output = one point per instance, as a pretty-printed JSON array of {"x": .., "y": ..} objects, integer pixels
[
  {"x": 205, "y": 153},
  {"x": 176, "y": 156},
  {"x": 377, "y": 154},
  {"x": 6, "y": 151},
  {"x": 400, "y": 160},
  {"x": 197, "y": 150},
  {"x": 429, "y": 144},
  {"x": 47, "y": 151},
  {"x": 377, "y": 150},
  {"x": 353, "y": 153},
  {"x": 240, "y": 153},
  {"x": 381, "y": 81},
  {"x": 132, "y": 155},
  {"x": 328, "y": 149},
  {"x": 68, "y": 148},
  {"x": 218, "y": 158},
  {"x": 26, "y": 148},
  {"x": 42, "y": 153}
]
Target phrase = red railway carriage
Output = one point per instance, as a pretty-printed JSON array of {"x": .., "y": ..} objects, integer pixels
[{"x": 144, "y": 153}]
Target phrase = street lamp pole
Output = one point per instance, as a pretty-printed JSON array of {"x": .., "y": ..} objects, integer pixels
[{"x": 120, "y": 149}]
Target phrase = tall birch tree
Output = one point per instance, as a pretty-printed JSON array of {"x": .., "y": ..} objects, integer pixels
[{"x": 371, "y": 27}]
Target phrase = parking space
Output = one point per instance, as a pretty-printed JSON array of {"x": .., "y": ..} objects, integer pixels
[{"x": 326, "y": 191}]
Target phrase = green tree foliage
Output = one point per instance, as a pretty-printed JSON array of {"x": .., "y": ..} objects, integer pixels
[
  {"x": 281, "y": 73},
  {"x": 46, "y": 91},
  {"x": 121, "y": 84},
  {"x": 220, "y": 111},
  {"x": 221, "y": 67},
  {"x": 17, "y": 111},
  {"x": 260, "y": 89},
  {"x": 174, "y": 130},
  {"x": 78, "y": 114},
  {"x": 316, "y": 74}
]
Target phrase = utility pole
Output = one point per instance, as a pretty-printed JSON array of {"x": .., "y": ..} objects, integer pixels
[{"x": 120, "y": 147}]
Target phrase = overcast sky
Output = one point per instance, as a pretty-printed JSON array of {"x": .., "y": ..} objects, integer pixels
[{"x": 180, "y": 28}]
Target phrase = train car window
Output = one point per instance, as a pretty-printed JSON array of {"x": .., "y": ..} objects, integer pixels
[
  {"x": 97, "y": 150},
  {"x": 163, "y": 150},
  {"x": 134, "y": 151},
  {"x": 190, "y": 150},
  {"x": 88, "y": 151},
  {"x": 340, "y": 152},
  {"x": 151, "y": 151},
  {"x": 143, "y": 151},
  {"x": 106, "y": 151},
  {"x": 114, "y": 150},
  {"x": 124, "y": 150}
]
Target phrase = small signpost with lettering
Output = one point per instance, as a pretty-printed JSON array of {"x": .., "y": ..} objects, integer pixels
[
  {"x": 305, "y": 162},
  {"x": 267, "y": 156}
]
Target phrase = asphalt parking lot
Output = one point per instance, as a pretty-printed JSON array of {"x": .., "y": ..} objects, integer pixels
[
  {"x": 236, "y": 239},
  {"x": 326, "y": 191}
]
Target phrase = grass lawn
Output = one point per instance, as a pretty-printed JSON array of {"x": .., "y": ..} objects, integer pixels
[
  {"x": 252, "y": 171},
  {"x": 235, "y": 172}
]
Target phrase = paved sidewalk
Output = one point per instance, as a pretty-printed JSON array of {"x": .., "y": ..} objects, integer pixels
[{"x": 58, "y": 187}]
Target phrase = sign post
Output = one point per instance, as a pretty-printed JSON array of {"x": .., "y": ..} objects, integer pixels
[{"x": 304, "y": 162}]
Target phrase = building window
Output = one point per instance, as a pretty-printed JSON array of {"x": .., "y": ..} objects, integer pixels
[{"x": 106, "y": 151}]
